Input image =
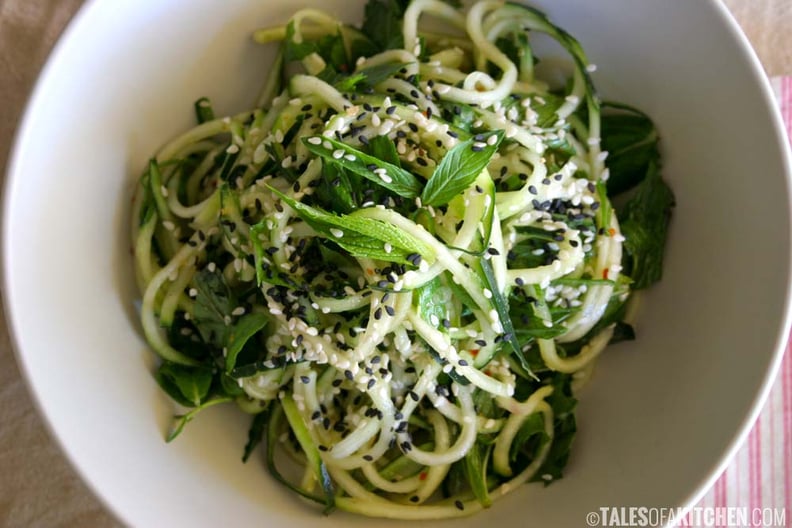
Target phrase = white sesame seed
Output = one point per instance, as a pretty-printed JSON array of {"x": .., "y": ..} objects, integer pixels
[
  {"x": 375, "y": 120},
  {"x": 327, "y": 145},
  {"x": 388, "y": 248},
  {"x": 167, "y": 224},
  {"x": 211, "y": 267},
  {"x": 336, "y": 232},
  {"x": 315, "y": 140},
  {"x": 239, "y": 310},
  {"x": 338, "y": 154},
  {"x": 350, "y": 157},
  {"x": 233, "y": 149},
  {"x": 487, "y": 293},
  {"x": 384, "y": 177}
]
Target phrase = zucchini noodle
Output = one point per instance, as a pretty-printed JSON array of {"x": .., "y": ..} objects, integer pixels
[{"x": 398, "y": 262}]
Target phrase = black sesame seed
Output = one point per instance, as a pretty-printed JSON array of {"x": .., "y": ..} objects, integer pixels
[
  {"x": 422, "y": 162},
  {"x": 413, "y": 396},
  {"x": 413, "y": 127},
  {"x": 375, "y": 360},
  {"x": 305, "y": 379},
  {"x": 493, "y": 251},
  {"x": 337, "y": 383},
  {"x": 452, "y": 134},
  {"x": 349, "y": 375},
  {"x": 368, "y": 458},
  {"x": 480, "y": 342},
  {"x": 414, "y": 498},
  {"x": 390, "y": 310},
  {"x": 532, "y": 189},
  {"x": 463, "y": 363},
  {"x": 459, "y": 505},
  {"x": 371, "y": 383},
  {"x": 322, "y": 448},
  {"x": 414, "y": 94},
  {"x": 316, "y": 415},
  {"x": 519, "y": 281},
  {"x": 390, "y": 110},
  {"x": 296, "y": 186}
]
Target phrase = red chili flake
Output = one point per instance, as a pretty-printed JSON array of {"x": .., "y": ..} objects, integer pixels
[
  {"x": 612, "y": 232},
  {"x": 474, "y": 352},
  {"x": 344, "y": 68},
  {"x": 605, "y": 274},
  {"x": 369, "y": 271},
  {"x": 423, "y": 475}
]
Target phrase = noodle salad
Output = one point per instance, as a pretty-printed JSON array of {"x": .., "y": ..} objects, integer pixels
[{"x": 404, "y": 260}]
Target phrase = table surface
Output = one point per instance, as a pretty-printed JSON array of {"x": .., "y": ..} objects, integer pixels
[{"x": 38, "y": 487}]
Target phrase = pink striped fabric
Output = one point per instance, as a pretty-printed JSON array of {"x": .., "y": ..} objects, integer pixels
[{"x": 760, "y": 475}]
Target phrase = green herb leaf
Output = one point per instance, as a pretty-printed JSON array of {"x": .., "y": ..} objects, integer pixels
[
  {"x": 501, "y": 305},
  {"x": 213, "y": 303},
  {"x": 383, "y": 147},
  {"x": 382, "y": 22},
  {"x": 459, "y": 168},
  {"x": 476, "y": 472},
  {"x": 396, "y": 179},
  {"x": 360, "y": 236},
  {"x": 432, "y": 298},
  {"x": 247, "y": 326},
  {"x": 369, "y": 77},
  {"x": 630, "y": 138},
  {"x": 564, "y": 427},
  {"x": 644, "y": 223},
  {"x": 187, "y": 385},
  {"x": 531, "y": 434}
]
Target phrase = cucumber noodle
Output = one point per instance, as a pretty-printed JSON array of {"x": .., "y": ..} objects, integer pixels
[{"x": 390, "y": 373}]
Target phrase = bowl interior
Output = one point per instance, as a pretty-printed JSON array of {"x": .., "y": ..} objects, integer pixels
[{"x": 660, "y": 414}]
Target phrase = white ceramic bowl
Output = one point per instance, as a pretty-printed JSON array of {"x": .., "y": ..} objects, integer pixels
[{"x": 662, "y": 414}]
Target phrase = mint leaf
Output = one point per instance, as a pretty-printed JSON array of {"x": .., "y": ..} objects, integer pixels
[
  {"x": 213, "y": 303},
  {"x": 360, "y": 236},
  {"x": 501, "y": 306},
  {"x": 644, "y": 223},
  {"x": 382, "y": 147},
  {"x": 460, "y": 167},
  {"x": 631, "y": 140},
  {"x": 394, "y": 178},
  {"x": 247, "y": 326},
  {"x": 187, "y": 385},
  {"x": 369, "y": 77}
]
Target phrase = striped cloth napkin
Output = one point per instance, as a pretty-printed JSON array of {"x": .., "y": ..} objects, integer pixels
[{"x": 760, "y": 474}]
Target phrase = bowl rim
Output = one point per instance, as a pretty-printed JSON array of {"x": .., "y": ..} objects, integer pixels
[{"x": 13, "y": 168}]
